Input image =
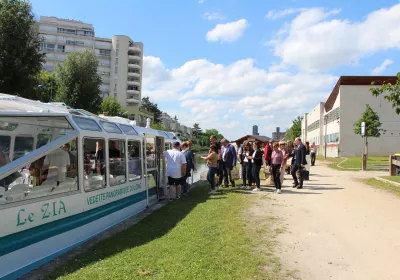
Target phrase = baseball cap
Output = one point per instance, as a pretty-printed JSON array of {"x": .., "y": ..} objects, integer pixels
[{"x": 176, "y": 144}]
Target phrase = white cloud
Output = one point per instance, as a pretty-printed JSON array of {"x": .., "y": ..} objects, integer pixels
[
  {"x": 275, "y": 14},
  {"x": 231, "y": 97},
  {"x": 213, "y": 16},
  {"x": 201, "y": 1},
  {"x": 382, "y": 67},
  {"x": 313, "y": 42},
  {"x": 227, "y": 32}
]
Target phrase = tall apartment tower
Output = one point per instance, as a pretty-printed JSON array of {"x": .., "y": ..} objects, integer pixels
[
  {"x": 120, "y": 58},
  {"x": 255, "y": 130}
]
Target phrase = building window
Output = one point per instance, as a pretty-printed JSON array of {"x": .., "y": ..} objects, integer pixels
[
  {"x": 115, "y": 87},
  {"x": 313, "y": 126},
  {"x": 115, "y": 94},
  {"x": 70, "y": 42},
  {"x": 60, "y": 48},
  {"x": 116, "y": 69},
  {"x": 66, "y": 31},
  {"x": 80, "y": 43},
  {"x": 47, "y": 47},
  {"x": 104, "y": 52},
  {"x": 332, "y": 115}
]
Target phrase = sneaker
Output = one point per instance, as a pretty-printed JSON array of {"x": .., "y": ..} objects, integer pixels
[
  {"x": 256, "y": 190},
  {"x": 212, "y": 192},
  {"x": 299, "y": 187},
  {"x": 243, "y": 187},
  {"x": 178, "y": 197},
  {"x": 248, "y": 187},
  {"x": 278, "y": 191}
]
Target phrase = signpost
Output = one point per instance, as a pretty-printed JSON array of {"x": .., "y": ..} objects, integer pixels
[{"x": 364, "y": 154}]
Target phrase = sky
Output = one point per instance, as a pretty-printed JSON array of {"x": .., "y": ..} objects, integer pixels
[{"x": 233, "y": 64}]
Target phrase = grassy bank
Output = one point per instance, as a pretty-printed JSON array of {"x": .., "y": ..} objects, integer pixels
[
  {"x": 395, "y": 179},
  {"x": 382, "y": 186},
  {"x": 354, "y": 163},
  {"x": 197, "y": 237}
]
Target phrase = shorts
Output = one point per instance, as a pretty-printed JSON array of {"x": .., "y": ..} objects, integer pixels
[{"x": 175, "y": 181}]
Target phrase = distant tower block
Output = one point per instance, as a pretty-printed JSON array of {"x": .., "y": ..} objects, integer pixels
[{"x": 255, "y": 130}]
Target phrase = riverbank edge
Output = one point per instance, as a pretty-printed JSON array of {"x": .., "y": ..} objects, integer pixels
[{"x": 42, "y": 271}]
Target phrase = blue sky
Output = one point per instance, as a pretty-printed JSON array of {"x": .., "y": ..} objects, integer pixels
[{"x": 231, "y": 64}]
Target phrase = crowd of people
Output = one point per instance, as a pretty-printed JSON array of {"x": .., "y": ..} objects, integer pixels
[{"x": 275, "y": 157}]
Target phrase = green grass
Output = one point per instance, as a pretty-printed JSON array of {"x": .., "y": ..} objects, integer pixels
[
  {"x": 354, "y": 163},
  {"x": 395, "y": 179},
  {"x": 382, "y": 186},
  {"x": 197, "y": 237}
]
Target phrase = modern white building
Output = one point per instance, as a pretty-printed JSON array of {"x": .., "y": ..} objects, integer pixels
[
  {"x": 311, "y": 125},
  {"x": 332, "y": 122},
  {"x": 120, "y": 58}
]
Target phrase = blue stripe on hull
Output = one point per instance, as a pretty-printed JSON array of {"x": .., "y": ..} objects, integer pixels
[
  {"x": 31, "y": 236},
  {"x": 25, "y": 270}
]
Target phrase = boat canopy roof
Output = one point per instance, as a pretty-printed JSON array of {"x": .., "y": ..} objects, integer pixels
[{"x": 11, "y": 104}]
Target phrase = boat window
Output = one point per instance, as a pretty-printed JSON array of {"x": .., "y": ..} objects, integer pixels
[
  {"x": 167, "y": 146},
  {"x": 23, "y": 145},
  {"x": 150, "y": 153},
  {"x": 95, "y": 169},
  {"x": 8, "y": 126},
  {"x": 116, "y": 154},
  {"x": 134, "y": 160},
  {"x": 5, "y": 142},
  {"x": 42, "y": 140},
  {"x": 55, "y": 172},
  {"x": 86, "y": 124},
  {"x": 127, "y": 129},
  {"x": 110, "y": 127}
]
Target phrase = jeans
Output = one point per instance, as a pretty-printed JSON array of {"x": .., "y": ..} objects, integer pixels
[
  {"x": 246, "y": 173},
  {"x": 276, "y": 174},
  {"x": 297, "y": 169},
  {"x": 220, "y": 172},
  {"x": 313, "y": 156},
  {"x": 211, "y": 176},
  {"x": 256, "y": 174}
]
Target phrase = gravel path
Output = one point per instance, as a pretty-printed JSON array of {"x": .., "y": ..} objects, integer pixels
[{"x": 338, "y": 228}]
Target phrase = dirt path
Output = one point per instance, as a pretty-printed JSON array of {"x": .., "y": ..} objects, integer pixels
[{"x": 338, "y": 228}]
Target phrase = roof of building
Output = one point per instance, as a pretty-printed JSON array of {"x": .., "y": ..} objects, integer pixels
[
  {"x": 356, "y": 81},
  {"x": 256, "y": 137}
]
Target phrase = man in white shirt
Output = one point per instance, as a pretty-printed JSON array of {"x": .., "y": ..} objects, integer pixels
[{"x": 176, "y": 169}]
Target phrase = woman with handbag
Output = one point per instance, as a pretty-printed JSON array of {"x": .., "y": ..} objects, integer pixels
[
  {"x": 247, "y": 166},
  {"x": 256, "y": 160}
]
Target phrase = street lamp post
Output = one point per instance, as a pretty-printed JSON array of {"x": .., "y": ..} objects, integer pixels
[{"x": 51, "y": 89}]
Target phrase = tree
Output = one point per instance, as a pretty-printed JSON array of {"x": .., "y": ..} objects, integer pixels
[
  {"x": 175, "y": 118},
  {"x": 47, "y": 87},
  {"x": 372, "y": 125},
  {"x": 20, "y": 56},
  {"x": 196, "y": 130},
  {"x": 159, "y": 126},
  {"x": 111, "y": 106},
  {"x": 152, "y": 107},
  {"x": 78, "y": 81},
  {"x": 391, "y": 93},
  {"x": 295, "y": 130}
]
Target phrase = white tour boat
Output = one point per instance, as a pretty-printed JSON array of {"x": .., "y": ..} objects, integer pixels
[{"x": 67, "y": 175}]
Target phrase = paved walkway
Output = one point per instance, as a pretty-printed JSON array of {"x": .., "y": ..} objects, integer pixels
[{"x": 338, "y": 228}]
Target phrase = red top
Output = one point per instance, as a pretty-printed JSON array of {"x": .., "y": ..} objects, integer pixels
[{"x": 266, "y": 150}]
